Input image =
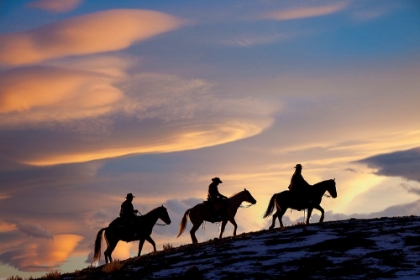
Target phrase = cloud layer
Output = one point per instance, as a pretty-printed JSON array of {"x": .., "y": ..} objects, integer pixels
[
  {"x": 403, "y": 164},
  {"x": 87, "y": 34},
  {"x": 55, "y": 6},
  {"x": 49, "y": 254},
  {"x": 306, "y": 12}
]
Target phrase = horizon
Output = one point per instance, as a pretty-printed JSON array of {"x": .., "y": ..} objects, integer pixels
[{"x": 98, "y": 100}]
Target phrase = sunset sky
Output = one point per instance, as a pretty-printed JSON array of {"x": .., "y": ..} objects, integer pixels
[{"x": 102, "y": 98}]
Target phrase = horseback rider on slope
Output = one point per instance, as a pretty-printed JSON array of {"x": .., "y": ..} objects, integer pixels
[
  {"x": 299, "y": 187},
  {"x": 214, "y": 197},
  {"x": 127, "y": 212}
]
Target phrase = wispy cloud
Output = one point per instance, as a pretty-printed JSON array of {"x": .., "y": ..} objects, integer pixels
[
  {"x": 179, "y": 114},
  {"x": 249, "y": 40},
  {"x": 56, "y": 6},
  {"x": 34, "y": 230},
  {"x": 87, "y": 34},
  {"x": 306, "y": 12}
]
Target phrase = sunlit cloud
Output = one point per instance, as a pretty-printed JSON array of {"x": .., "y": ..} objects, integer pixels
[
  {"x": 87, "y": 34},
  {"x": 306, "y": 12},
  {"x": 178, "y": 114},
  {"x": 6, "y": 226},
  {"x": 41, "y": 255},
  {"x": 179, "y": 137},
  {"x": 58, "y": 6},
  {"x": 3, "y": 196},
  {"x": 37, "y": 88}
]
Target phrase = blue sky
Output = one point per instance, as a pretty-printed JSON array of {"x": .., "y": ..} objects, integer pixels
[{"x": 102, "y": 98}]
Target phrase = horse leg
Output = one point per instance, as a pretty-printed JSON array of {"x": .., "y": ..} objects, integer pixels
[
  {"x": 318, "y": 207},
  {"x": 192, "y": 232},
  {"x": 141, "y": 243},
  {"x": 109, "y": 250},
  {"x": 273, "y": 224},
  {"x": 235, "y": 226},
  {"x": 151, "y": 242},
  {"x": 280, "y": 216},
  {"x": 222, "y": 228},
  {"x": 308, "y": 216}
]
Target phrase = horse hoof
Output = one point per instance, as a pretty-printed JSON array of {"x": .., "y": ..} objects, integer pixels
[{"x": 271, "y": 227}]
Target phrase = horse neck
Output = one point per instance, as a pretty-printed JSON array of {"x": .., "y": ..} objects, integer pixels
[
  {"x": 153, "y": 215},
  {"x": 321, "y": 187},
  {"x": 237, "y": 199}
]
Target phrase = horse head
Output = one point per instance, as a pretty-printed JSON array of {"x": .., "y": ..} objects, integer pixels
[
  {"x": 164, "y": 216},
  {"x": 331, "y": 188},
  {"x": 248, "y": 197}
]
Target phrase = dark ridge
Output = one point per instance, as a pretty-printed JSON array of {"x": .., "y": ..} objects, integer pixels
[{"x": 347, "y": 249}]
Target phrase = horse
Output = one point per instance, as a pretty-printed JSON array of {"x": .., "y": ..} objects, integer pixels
[
  {"x": 143, "y": 225},
  {"x": 200, "y": 213},
  {"x": 286, "y": 199}
]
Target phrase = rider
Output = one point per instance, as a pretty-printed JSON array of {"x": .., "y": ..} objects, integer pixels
[
  {"x": 214, "y": 196},
  {"x": 127, "y": 212},
  {"x": 298, "y": 185}
]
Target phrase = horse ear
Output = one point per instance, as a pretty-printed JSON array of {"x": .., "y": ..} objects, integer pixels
[
  {"x": 244, "y": 189},
  {"x": 334, "y": 179}
]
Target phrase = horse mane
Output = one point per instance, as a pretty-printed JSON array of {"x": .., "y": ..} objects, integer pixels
[
  {"x": 236, "y": 194},
  {"x": 322, "y": 182},
  {"x": 151, "y": 211}
]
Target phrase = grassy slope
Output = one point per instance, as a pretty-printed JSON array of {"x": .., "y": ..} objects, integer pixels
[{"x": 364, "y": 249}]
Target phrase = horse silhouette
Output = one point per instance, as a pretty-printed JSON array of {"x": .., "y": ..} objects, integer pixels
[
  {"x": 286, "y": 199},
  {"x": 200, "y": 213},
  {"x": 143, "y": 225}
]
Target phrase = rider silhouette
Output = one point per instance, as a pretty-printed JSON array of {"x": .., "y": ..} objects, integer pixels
[
  {"x": 214, "y": 196},
  {"x": 298, "y": 186},
  {"x": 127, "y": 212}
]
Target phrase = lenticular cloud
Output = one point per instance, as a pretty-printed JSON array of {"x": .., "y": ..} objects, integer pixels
[{"x": 87, "y": 34}]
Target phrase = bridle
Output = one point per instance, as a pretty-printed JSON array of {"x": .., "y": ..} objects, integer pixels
[{"x": 157, "y": 224}]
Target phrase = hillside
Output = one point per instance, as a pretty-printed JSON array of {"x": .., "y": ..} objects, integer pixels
[{"x": 348, "y": 249}]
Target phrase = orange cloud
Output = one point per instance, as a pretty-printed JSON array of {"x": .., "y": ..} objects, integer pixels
[
  {"x": 4, "y": 227},
  {"x": 213, "y": 131},
  {"x": 32, "y": 88},
  {"x": 87, "y": 34},
  {"x": 41, "y": 255},
  {"x": 55, "y": 6},
  {"x": 306, "y": 12},
  {"x": 178, "y": 114}
]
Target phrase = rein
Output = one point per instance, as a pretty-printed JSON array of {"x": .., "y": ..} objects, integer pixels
[
  {"x": 245, "y": 206},
  {"x": 157, "y": 224}
]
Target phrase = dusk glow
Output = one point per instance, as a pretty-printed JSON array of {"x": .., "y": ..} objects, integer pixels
[{"x": 103, "y": 98}]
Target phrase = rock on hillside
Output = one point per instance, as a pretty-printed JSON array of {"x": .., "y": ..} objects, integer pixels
[{"x": 348, "y": 249}]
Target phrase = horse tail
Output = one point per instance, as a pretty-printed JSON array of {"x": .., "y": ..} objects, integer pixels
[
  {"x": 97, "y": 250},
  {"x": 183, "y": 223},
  {"x": 271, "y": 205}
]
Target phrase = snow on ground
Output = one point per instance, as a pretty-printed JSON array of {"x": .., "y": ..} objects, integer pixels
[
  {"x": 379, "y": 245},
  {"x": 385, "y": 248}
]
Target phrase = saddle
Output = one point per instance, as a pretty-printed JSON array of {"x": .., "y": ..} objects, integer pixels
[
  {"x": 126, "y": 227},
  {"x": 301, "y": 201},
  {"x": 216, "y": 210}
]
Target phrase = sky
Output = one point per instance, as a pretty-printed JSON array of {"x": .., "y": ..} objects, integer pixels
[{"x": 103, "y": 98}]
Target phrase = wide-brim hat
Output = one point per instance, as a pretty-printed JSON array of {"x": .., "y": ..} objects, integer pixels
[
  {"x": 130, "y": 195},
  {"x": 216, "y": 179},
  {"x": 298, "y": 165}
]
